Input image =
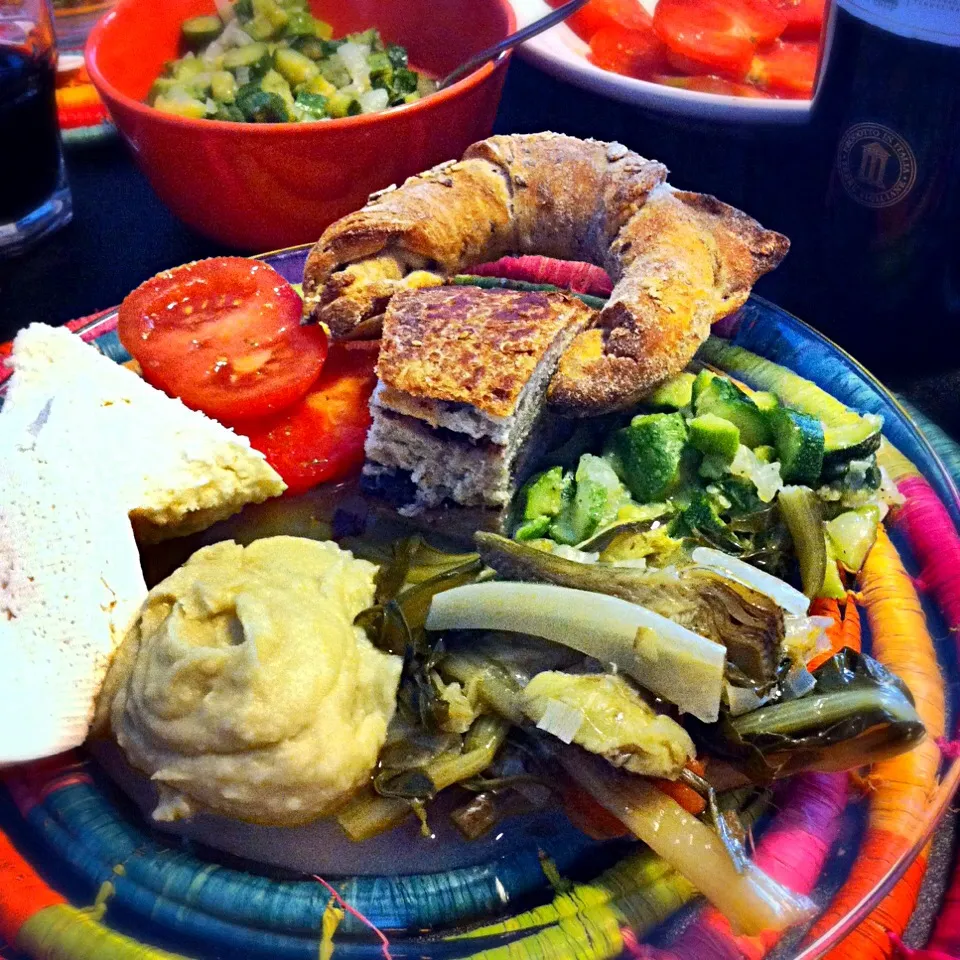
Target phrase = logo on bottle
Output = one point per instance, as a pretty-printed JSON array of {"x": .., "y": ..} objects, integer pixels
[{"x": 876, "y": 165}]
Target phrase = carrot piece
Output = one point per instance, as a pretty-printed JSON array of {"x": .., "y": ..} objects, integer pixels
[
  {"x": 843, "y": 632},
  {"x": 904, "y": 784},
  {"x": 851, "y": 625},
  {"x": 687, "y": 797}
]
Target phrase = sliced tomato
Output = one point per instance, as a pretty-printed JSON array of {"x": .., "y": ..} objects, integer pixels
[
  {"x": 634, "y": 53},
  {"x": 716, "y": 36},
  {"x": 599, "y": 14},
  {"x": 321, "y": 438},
  {"x": 710, "y": 84},
  {"x": 786, "y": 68},
  {"x": 224, "y": 336},
  {"x": 804, "y": 18}
]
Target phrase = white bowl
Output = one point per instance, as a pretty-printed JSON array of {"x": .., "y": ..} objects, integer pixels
[{"x": 561, "y": 53}]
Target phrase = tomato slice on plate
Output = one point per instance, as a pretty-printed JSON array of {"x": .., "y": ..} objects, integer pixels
[
  {"x": 634, "y": 53},
  {"x": 223, "y": 335},
  {"x": 711, "y": 84},
  {"x": 804, "y": 18},
  {"x": 716, "y": 36},
  {"x": 598, "y": 14},
  {"x": 321, "y": 438},
  {"x": 787, "y": 68}
]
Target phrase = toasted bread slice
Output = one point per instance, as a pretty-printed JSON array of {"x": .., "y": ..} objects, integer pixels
[
  {"x": 459, "y": 412},
  {"x": 464, "y": 345}
]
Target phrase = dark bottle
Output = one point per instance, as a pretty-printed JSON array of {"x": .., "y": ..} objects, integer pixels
[
  {"x": 29, "y": 138},
  {"x": 880, "y": 211}
]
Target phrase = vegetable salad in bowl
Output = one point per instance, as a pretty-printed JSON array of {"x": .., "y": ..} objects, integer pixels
[{"x": 272, "y": 61}]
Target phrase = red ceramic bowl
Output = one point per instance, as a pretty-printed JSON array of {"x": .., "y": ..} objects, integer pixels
[{"x": 262, "y": 186}]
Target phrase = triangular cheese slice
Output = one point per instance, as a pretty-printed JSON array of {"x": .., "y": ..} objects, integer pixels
[
  {"x": 176, "y": 470},
  {"x": 86, "y": 446}
]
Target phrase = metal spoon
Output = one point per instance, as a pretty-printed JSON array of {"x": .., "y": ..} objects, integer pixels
[{"x": 531, "y": 30}]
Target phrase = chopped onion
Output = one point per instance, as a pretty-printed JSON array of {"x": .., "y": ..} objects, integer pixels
[
  {"x": 798, "y": 683},
  {"x": 572, "y": 553},
  {"x": 373, "y": 101},
  {"x": 805, "y": 637},
  {"x": 561, "y": 720},
  {"x": 787, "y": 597},
  {"x": 225, "y": 10},
  {"x": 765, "y": 476},
  {"x": 742, "y": 700},
  {"x": 669, "y": 660},
  {"x": 354, "y": 58}
]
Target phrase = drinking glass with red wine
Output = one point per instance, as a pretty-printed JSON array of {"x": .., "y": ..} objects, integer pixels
[{"x": 34, "y": 196}]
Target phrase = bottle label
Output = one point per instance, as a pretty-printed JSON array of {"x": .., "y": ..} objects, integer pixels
[
  {"x": 937, "y": 21},
  {"x": 876, "y": 165}
]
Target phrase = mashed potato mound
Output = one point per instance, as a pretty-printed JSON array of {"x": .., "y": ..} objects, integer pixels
[{"x": 245, "y": 689}]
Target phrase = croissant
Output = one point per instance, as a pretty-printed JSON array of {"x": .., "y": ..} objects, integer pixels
[{"x": 679, "y": 261}]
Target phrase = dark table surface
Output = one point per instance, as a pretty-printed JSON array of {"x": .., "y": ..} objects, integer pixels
[{"x": 121, "y": 233}]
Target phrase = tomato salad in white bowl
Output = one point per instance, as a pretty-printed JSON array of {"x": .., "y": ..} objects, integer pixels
[{"x": 722, "y": 60}]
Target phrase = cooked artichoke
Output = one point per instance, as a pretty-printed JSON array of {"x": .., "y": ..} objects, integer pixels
[
  {"x": 747, "y": 623},
  {"x": 610, "y": 719}
]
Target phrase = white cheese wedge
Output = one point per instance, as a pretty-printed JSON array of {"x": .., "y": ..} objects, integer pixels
[
  {"x": 176, "y": 470},
  {"x": 85, "y": 447}
]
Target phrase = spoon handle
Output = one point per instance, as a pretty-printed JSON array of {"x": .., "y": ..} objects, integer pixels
[{"x": 531, "y": 30}]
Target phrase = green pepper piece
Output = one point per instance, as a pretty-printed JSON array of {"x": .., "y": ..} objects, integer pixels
[
  {"x": 300, "y": 24},
  {"x": 404, "y": 81},
  {"x": 397, "y": 55},
  {"x": 314, "y": 105},
  {"x": 259, "y": 106},
  {"x": 381, "y": 70},
  {"x": 199, "y": 31}
]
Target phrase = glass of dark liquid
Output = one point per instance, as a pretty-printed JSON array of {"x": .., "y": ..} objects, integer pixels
[{"x": 34, "y": 196}]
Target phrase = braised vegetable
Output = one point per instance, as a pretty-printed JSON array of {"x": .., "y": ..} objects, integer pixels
[
  {"x": 597, "y": 495},
  {"x": 370, "y": 813},
  {"x": 605, "y": 715},
  {"x": 647, "y": 454},
  {"x": 747, "y": 623},
  {"x": 798, "y": 440},
  {"x": 749, "y": 899},
  {"x": 662, "y": 656},
  {"x": 721, "y": 398},
  {"x": 801, "y": 511},
  {"x": 858, "y": 713},
  {"x": 673, "y": 394}
]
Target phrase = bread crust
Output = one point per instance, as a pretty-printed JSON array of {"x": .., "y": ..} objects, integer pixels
[
  {"x": 680, "y": 261},
  {"x": 680, "y": 264},
  {"x": 472, "y": 346}
]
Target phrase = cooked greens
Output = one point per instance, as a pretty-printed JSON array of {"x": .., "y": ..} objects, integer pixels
[
  {"x": 857, "y": 713},
  {"x": 726, "y": 468},
  {"x": 272, "y": 61}
]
